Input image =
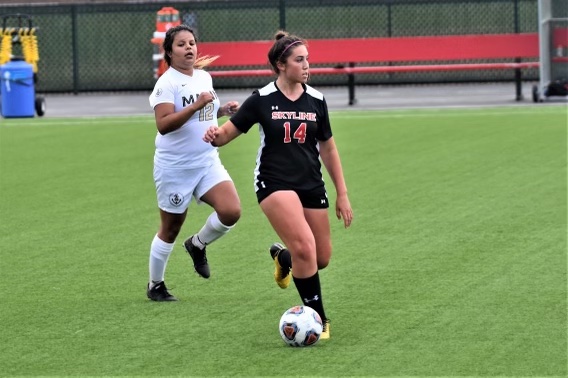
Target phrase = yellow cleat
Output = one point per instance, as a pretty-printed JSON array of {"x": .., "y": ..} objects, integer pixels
[
  {"x": 281, "y": 276},
  {"x": 325, "y": 333}
]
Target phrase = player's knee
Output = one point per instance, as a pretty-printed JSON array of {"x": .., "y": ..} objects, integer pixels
[
  {"x": 302, "y": 250},
  {"x": 324, "y": 257},
  {"x": 230, "y": 214},
  {"x": 170, "y": 233}
]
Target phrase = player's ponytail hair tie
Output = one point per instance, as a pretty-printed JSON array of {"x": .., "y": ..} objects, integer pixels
[{"x": 287, "y": 47}]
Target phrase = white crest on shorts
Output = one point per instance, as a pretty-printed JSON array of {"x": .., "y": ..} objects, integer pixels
[
  {"x": 176, "y": 199},
  {"x": 159, "y": 92}
]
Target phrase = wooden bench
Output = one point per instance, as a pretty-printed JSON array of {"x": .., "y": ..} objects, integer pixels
[{"x": 352, "y": 56}]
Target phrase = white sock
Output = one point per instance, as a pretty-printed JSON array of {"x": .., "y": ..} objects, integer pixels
[
  {"x": 212, "y": 230},
  {"x": 159, "y": 253}
]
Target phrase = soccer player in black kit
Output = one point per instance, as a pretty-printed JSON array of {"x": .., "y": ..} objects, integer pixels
[{"x": 295, "y": 133}]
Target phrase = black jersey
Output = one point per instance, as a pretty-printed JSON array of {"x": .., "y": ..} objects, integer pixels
[{"x": 289, "y": 133}]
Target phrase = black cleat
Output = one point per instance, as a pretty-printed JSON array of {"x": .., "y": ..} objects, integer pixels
[
  {"x": 199, "y": 258},
  {"x": 282, "y": 275},
  {"x": 159, "y": 293}
]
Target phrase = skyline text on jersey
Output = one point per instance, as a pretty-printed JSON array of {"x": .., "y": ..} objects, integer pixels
[{"x": 303, "y": 116}]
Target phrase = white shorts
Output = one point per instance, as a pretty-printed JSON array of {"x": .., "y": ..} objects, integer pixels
[{"x": 175, "y": 187}]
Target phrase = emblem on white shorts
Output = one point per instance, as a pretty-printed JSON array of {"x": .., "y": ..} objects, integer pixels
[{"x": 176, "y": 199}]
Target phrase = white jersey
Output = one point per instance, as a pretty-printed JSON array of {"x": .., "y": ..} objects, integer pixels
[{"x": 184, "y": 147}]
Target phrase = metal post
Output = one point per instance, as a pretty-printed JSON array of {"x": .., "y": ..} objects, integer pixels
[
  {"x": 544, "y": 16},
  {"x": 282, "y": 7},
  {"x": 351, "y": 84},
  {"x": 75, "y": 48},
  {"x": 518, "y": 73}
]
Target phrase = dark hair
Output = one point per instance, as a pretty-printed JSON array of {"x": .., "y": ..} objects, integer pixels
[
  {"x": 169, "y": 40},
  {"x": 200, "y": 62},
  {"x": 282, "y": 48}
]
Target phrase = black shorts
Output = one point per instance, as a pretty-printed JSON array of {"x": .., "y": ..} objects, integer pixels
[{"x": 310, "y": 199}]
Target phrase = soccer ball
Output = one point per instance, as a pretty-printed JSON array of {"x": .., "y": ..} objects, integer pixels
[{"x": 300, "y": 326}]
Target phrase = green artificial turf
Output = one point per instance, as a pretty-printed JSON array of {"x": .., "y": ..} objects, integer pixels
[{"x": 455, "y": 264}]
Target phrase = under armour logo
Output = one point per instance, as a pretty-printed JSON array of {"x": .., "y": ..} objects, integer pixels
[
  {"x": 275, "y": 107},
  {"x": 314, "y": 299},
  {"x": 323, "y": 201}
]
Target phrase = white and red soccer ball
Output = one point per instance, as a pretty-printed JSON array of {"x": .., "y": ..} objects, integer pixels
[{"x": 300, "y": 326}]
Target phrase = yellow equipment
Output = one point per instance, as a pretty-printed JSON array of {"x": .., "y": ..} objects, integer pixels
[
  {"x": 29, "y": 47},
  {"x": 6, "y": 45}
]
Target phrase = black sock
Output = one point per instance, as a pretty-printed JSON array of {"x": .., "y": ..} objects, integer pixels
[
  {"x": 285, "y": 259},
  {"x": 310, "y": 292}
]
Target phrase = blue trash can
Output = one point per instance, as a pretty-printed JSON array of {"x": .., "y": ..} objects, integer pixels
[{"x": 17, "y": 94}]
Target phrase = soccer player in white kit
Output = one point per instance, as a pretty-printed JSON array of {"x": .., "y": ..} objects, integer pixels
[{"x": 185, "y": 104}]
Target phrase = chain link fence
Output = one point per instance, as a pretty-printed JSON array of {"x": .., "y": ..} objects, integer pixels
[{"x": 106, "y": 47}]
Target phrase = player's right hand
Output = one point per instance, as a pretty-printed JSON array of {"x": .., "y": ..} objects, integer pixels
[{"x": 204, "y": 98}]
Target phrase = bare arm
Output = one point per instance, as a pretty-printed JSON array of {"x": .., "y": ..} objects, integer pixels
[
  {"x": 168, "y": 120},
  {"x": 219, "y": 136},
  {"x": 330, "y": 158}
]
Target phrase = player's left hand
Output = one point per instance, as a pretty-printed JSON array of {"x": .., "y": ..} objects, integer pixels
[{"x": 343, "y": 210}]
